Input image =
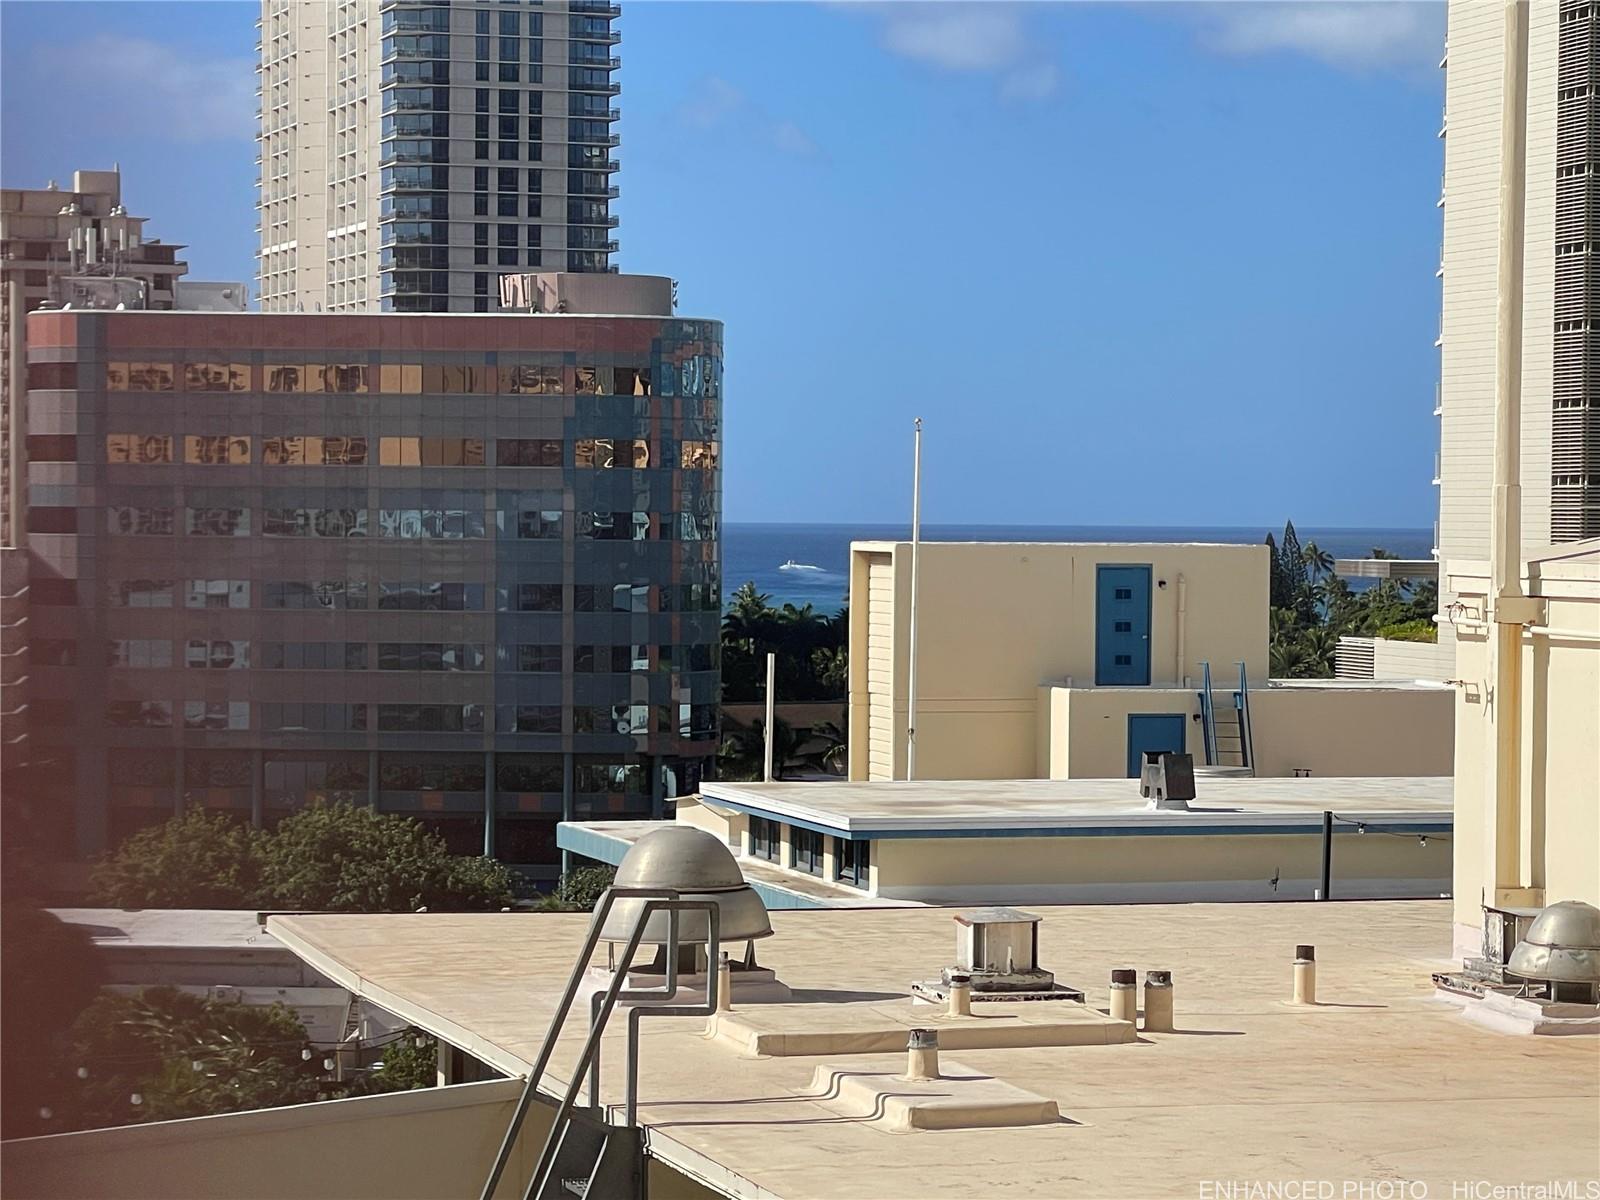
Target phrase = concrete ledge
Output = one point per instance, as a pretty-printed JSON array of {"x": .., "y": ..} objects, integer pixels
[
  {"x": 787, "y": 1030},
  {"x": 1512, "y": 1014},
  {"x": 960, "y": 1099}
]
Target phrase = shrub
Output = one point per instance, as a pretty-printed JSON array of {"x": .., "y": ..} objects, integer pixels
[
  {"x": 1420, "y": 630},
  {"x": 196, "y": 860},
  {"x": 335, "y": 857}
]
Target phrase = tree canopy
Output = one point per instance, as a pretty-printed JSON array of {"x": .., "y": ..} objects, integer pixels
[
  {"x": 1312, "y": 608},
  {"x": 810, "y": 649},
  {"x": 328, "y": 857}
]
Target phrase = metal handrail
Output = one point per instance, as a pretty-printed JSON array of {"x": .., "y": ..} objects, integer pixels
[
  {"x": 1247, "y": 750},
  {"x": 1208, "y": 715},
  {"x": 709, "y": 1008},
  {"x": 579, "y": 969},
  {"x": 561, "y": 1124}
]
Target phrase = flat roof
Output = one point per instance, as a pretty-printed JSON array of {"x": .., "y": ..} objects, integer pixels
[
  {"x": 1378, "y": 1082},
  {"x": 186, "y": 928},
  {"x": 1044, "y": 807}
]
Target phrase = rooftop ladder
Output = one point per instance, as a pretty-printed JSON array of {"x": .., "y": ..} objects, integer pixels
[
  {"x": 1225, "y": 727},
  {"x": 586, "y": 1153}
]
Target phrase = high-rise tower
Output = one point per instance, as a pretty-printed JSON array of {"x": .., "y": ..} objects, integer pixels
[{"x": 412, "y": 151}]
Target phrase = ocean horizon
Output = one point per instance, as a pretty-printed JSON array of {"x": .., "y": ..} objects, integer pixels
[{"x": 799, "y": 563}]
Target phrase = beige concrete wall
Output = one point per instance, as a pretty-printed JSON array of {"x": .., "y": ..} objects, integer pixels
[
  {"x": 1094, "y": 870},
  {"x": 728, "y": 826},
  {"x": 1088, "y": 735},
  {"x": 996, "y": 620},
  {"x": 1349, "y": 732},
  {"x": 1336, "y": 731},
  {"x": 1560, "y": 722},
  {"x": 433, "y": 1143}
]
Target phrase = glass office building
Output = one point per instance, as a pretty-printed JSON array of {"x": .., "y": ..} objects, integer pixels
[{"x": 462, "y": 567}]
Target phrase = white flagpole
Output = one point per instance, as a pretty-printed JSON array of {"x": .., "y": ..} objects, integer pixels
[
  {"x": 916, "y": 546},
  {"x": 772, "y": 676}
]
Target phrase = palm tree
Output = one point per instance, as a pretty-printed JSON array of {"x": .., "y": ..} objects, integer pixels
[
  {"x": 743, "y": 751},
  {"x": 1318, "y": 561},
  {"x": 833, "y": 753}
]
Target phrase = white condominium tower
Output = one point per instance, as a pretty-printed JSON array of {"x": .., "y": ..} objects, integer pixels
[
  {"x": 1561, "y": 289},
  {"x": 412, "y": 151}
]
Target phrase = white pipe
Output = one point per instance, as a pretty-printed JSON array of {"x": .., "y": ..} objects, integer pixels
[
  {"x": 911, "y": 648},
  {"x": 772, "y": 677},
  {"x": 1504, "y": 857},
  {"x": 1183, "y": 627}
]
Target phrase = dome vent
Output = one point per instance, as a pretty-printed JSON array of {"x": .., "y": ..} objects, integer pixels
[
  {"x": 1562, "y": 948},
  {"x": 697, "y": 866}
]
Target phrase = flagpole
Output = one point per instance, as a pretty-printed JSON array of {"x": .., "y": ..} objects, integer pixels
[{"x": 916, "y": 547}]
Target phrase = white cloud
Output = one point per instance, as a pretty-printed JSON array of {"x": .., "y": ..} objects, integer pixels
[
  {"x": 972, "y": 38},
  {"x": 714, "y": 103},
  {"x": 1363, "y": 34},
  {"x": 152, "y": 88}
]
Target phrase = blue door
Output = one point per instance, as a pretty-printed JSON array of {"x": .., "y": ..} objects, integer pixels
[
  {"x": 1153, "y": 731},
  {"x": 1122, "y": 627}
]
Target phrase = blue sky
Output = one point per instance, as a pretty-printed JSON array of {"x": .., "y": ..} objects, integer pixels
[{"x": 1133, "y": 264}]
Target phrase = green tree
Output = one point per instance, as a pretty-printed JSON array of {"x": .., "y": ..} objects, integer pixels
[
  {"x": 339, "y": 858},
  {"x": 829, "y": 749},
  {"x": 580, "y": 889},
  {"x": 183, "y": 1056},
  {"x": 408, "y": 1063},
  {"x": 1277, "y": 583},
  {"x": 1296, "y": 582},
  {"x": 198, "y": 859},
  {"x": 1319, "y": 562},
  {"x": 742, "y": 755}
]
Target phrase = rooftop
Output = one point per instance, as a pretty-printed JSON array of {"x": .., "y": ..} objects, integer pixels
[
  {"x": 189, "y": 928},
  {"x": 995, "y": 807},
  {"x": 1378, "y": 1081}
]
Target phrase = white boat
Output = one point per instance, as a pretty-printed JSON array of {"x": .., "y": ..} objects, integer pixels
[{"x": 791, "y": 565}]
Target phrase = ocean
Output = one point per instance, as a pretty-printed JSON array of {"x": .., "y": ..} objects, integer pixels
[{"x": 821, "y": 553}]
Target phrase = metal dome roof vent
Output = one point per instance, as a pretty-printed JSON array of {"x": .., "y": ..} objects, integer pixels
[
  {"x": 1562, "y": 949},
  {"x": 697, "y": 866}
]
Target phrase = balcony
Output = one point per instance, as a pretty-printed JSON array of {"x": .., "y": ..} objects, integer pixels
[
  {"x": 600, "y": 7},
  {"x": 609, "y": 193}
]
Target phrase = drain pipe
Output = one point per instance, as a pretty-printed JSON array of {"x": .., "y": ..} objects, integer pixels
[
  {"x": 922, "y": 1055},
  {"x": 1305, "y": 974},
  {"x": 1158, "y": 1001},
  {"x": 911, "y": 633},
  {"x": 1124, "y": 1004},
  {"x": 960, "y": 995},
  {"x": 1183, "y": 629},
  {"x": 1509, "y": 860}
]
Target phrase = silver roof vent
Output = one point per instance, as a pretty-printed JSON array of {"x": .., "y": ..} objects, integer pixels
[
  {"x": 1562, "y": 948},
  {"x": 698, "y": 866}
]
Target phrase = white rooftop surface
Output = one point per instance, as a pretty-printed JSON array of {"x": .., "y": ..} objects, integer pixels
[
  {"x": 189, "y": 928},
  {"x": 1380, "y": 1082},
  {"x": 972, "y": 805}
]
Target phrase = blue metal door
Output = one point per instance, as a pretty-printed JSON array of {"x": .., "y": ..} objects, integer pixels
[
  {"x": 1153, "y": 731},
  {"x": 1122, "y": 627}
]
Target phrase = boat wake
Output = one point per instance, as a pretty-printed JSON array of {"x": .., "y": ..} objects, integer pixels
[{"x": 791, "y": 565}]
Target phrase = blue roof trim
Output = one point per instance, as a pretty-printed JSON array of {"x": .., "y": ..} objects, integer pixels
[
  {"x": 590, "y": 844},
  {"x": 1309, "y": 824}
]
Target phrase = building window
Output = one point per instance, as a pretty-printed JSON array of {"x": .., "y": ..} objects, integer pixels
[
  {"x": 806, "y": 847},
  {"x": 766, "y": 839},
  {"x": 852, "y": 862}
]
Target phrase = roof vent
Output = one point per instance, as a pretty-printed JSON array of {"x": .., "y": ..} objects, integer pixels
[
  {"x": 697, "y": 866},
  {"x": 1562, "y": 949},
  {"x": 998, "y": 950},
  {"x": 1166, "y": 780}
]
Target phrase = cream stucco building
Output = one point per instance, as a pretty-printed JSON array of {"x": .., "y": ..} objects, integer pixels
[
  {"x": 1071, "y": 659},
  {"x": 1527, "y": 800}
]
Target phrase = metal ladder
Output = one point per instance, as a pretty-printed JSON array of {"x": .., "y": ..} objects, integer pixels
[
  {"x": 585, "y": 1153},
  {"x": 1225, "y": 730}
]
